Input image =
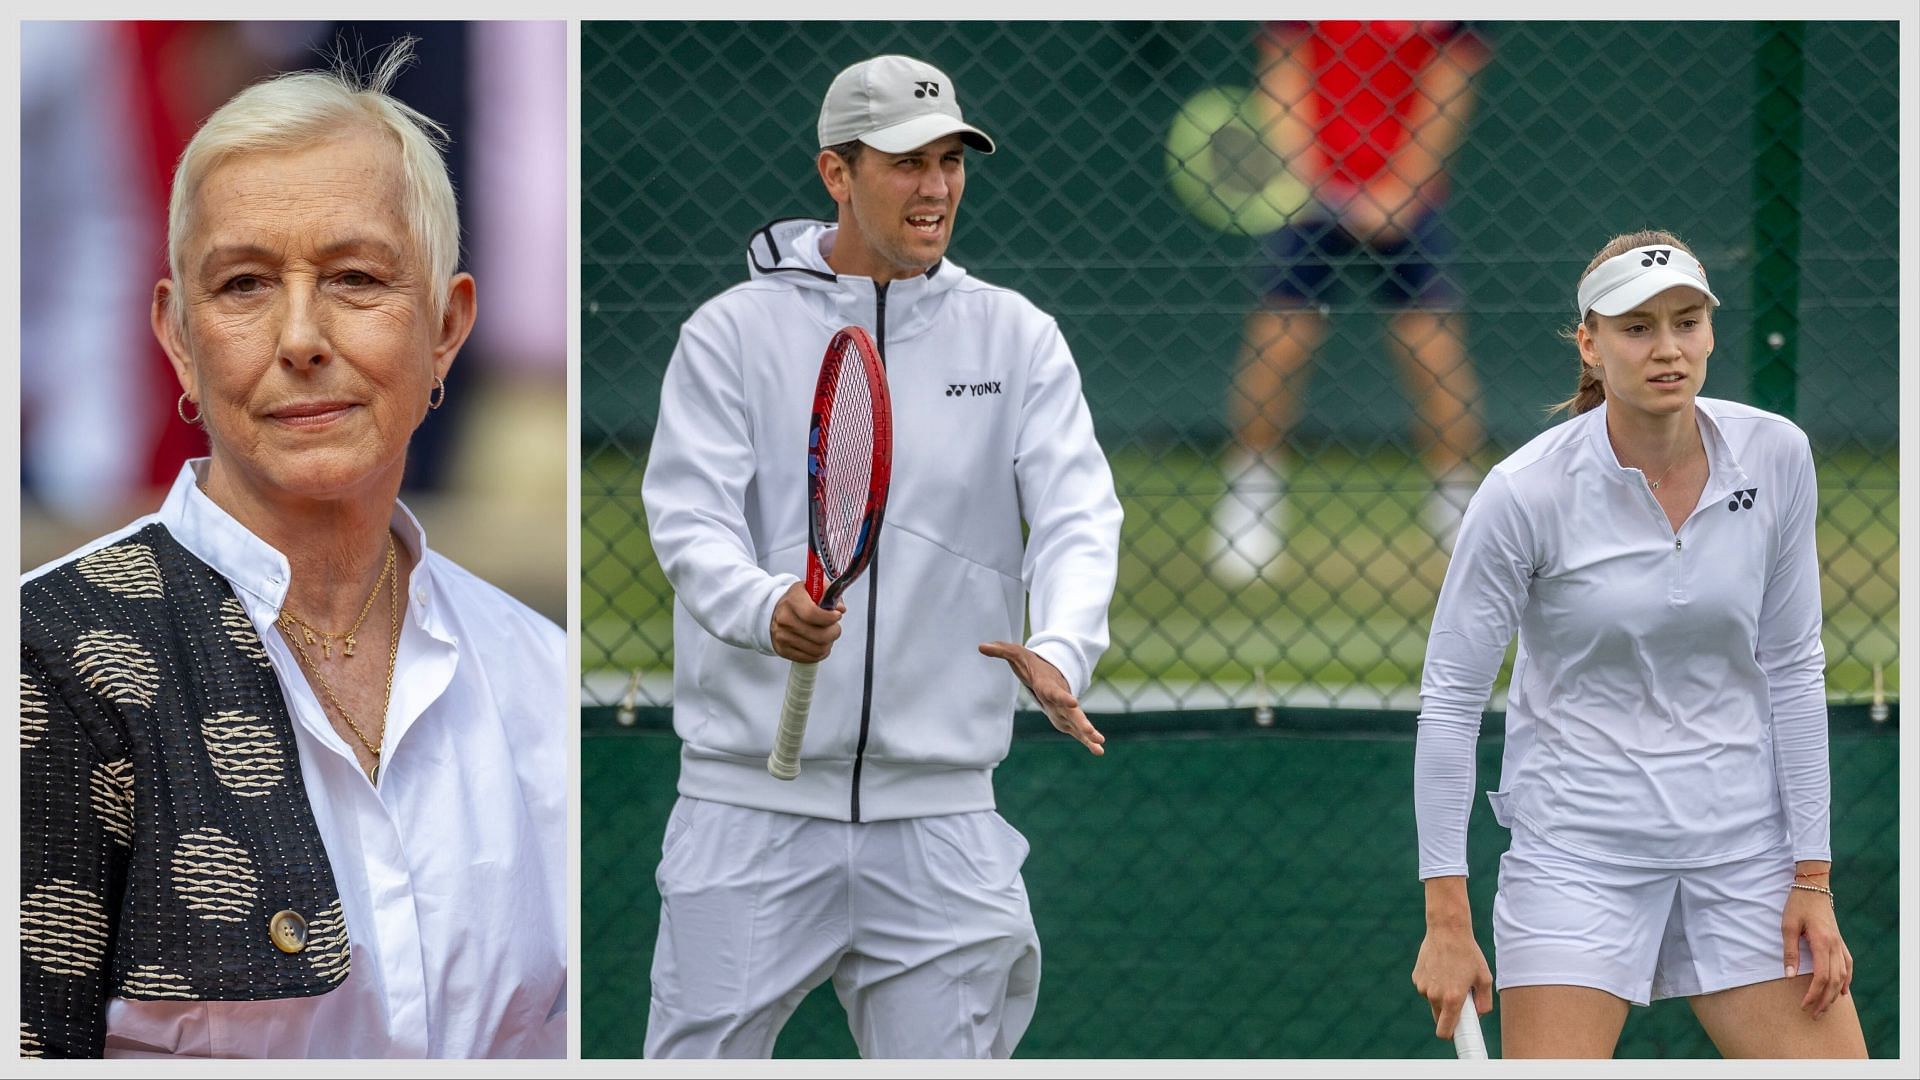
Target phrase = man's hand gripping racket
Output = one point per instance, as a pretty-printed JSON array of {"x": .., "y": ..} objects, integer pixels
[{"x": 849, "y": 464}]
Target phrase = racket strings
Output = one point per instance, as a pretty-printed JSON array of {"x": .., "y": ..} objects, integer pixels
[{"x": 846, "y": 474}]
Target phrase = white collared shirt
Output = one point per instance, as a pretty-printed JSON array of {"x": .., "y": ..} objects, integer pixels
[
  {"x": 1668, "y": 703},
  {"x": 452, "y": 873}
]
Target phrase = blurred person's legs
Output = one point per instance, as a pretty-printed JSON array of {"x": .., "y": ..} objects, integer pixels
[
  {"x": 1281, "y": 336},
  {"x": 1248, "y": 527},
  {"x": 1428, "y": 339},
  {"x": 1432, "y": 349}
]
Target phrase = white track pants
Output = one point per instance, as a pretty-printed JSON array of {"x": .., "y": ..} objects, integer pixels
[{"x": 922, "y": 924}]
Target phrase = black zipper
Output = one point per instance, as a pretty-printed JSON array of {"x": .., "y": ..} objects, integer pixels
[{"x": 873, "y": 580}]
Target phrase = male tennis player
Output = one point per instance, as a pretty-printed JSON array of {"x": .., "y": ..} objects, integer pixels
[{"x": 884, "y": 865}]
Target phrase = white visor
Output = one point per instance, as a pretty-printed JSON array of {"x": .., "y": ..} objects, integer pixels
[{"x": 1628, "y": 280}]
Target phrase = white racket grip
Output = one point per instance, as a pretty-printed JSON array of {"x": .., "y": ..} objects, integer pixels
[
  {"x": 1468, "y": 1043},
  {"x": 784, "y": 762}
]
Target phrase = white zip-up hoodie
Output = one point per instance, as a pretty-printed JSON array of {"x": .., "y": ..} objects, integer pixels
[{"x": 990, "y": 430}]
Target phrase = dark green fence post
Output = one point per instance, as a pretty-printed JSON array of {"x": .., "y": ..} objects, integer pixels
[{"x": 1774, "y": 367}]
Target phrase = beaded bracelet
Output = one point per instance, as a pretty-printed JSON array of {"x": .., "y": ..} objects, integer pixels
[{"x": 1815, "y": 888}]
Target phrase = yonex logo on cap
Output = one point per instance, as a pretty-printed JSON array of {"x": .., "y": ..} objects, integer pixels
[
  {"x": 895, "y": 104},
  {"x": 1654, "y": 255}
]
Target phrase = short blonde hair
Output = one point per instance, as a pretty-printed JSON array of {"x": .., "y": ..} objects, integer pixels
[{"x": 306, "y": 107}]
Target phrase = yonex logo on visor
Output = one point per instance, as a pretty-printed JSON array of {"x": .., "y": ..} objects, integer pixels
[{"x": 1633, "y": 277}]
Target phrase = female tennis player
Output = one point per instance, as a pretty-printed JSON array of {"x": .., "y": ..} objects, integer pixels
[{"x": 1665, "y": 774}]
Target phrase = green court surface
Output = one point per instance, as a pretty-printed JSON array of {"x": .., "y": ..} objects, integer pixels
[
  {"x": 1343, "y": 624},
  {"x": 1209, "y": 894}
]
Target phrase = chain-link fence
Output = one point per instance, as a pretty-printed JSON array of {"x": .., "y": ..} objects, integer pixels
[{"x": 1300, "y": 350}]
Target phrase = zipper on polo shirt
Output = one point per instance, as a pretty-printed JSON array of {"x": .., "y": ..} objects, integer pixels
[
  {"x": 873, "y": 582},
  {"x": 1676, "y": 579},
  {"x": 1676, "y": 595}
]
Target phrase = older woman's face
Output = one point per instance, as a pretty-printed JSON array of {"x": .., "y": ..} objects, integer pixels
[{"x": 310, "y": 340}]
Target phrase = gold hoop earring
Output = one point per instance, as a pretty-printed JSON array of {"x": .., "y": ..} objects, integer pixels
[
  {"x": 181, "y": 408},
  {"x": 438, "y": 395}
]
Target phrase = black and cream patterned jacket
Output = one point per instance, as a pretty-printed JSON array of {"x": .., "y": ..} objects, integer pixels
[{"x": 163, "y": 821}]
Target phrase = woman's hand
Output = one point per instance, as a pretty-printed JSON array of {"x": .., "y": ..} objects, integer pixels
[
  {"x": 1810, "y": 915},
  {"x": 1450, "y": 961}
]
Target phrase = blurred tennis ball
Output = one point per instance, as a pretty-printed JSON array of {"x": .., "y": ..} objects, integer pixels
[{"x": 1224, "y": 171}]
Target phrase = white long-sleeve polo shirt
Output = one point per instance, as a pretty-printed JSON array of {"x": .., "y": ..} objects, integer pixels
[{"x": 1668, "y": 703}]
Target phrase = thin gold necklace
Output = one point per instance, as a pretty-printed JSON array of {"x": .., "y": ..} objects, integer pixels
[
  {"x": 393, "y": 654},
  {"x": 1654, "y": 485},
  {"x": 325, "y": 638}
]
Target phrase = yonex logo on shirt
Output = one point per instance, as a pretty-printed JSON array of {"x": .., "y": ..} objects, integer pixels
[
  {"x": 1743, "y": 500},
  {"x": 972, "y": 389}
]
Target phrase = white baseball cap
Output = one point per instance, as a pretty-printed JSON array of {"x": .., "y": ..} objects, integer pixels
[
  {"x": 1631, "y": 278},
  {"x": 894, "y": 104}
]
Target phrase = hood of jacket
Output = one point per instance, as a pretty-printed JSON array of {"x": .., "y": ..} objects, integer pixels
[{"x": 792, "y": 252}]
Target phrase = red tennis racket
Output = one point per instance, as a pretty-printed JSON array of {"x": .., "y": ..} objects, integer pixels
[{"x": 849, "y": 463}]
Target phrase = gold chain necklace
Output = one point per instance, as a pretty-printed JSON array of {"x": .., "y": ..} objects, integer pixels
[
  {"x": 1654, "y": 485},
  {"x": 393, "y": 654},
  {"x": 325, "y": 638}
]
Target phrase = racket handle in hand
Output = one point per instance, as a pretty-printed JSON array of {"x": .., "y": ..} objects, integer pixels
[
  {"x": 784, "y": 762},
  {"x": 1468, "y": 1043}
]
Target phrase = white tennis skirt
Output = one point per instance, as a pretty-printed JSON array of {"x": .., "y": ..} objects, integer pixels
[{"x": 1641, "y": 934}]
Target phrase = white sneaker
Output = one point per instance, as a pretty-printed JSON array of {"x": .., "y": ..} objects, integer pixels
[
  {"x": 1247, "y": 535},
  {"x": 1446, "y": 505}
]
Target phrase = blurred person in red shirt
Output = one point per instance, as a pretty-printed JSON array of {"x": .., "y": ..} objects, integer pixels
[{"x": 1367, "y": 113}]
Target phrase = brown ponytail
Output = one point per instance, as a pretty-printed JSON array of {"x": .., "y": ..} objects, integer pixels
[
  {"x": 1589, "y": 392},
  {"x": 1587, "y": 395}
]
